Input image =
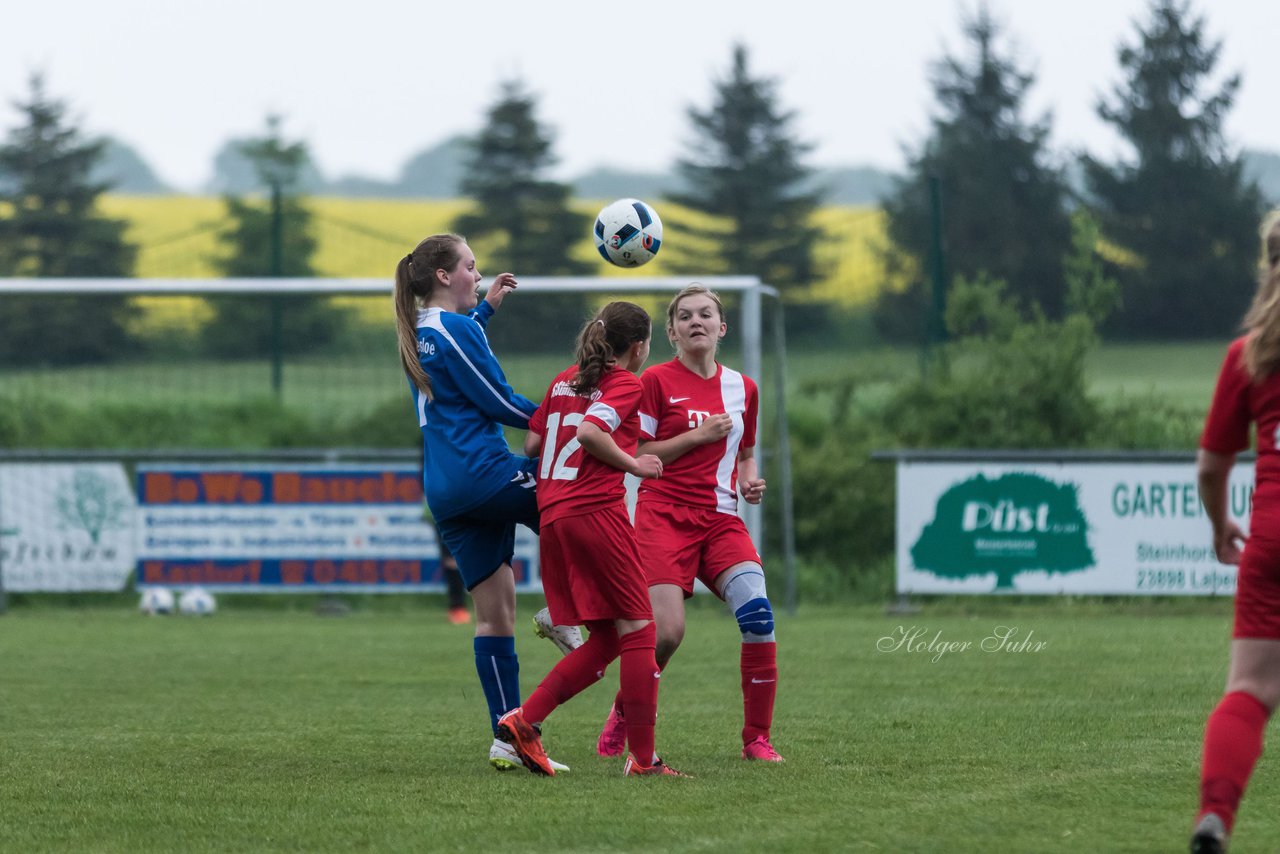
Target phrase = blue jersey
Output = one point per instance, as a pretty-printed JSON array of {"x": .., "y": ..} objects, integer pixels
[{"x": 465, "y": 455}]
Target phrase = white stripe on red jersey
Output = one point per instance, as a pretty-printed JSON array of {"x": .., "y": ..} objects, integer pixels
[
  {"x": 676, "y": 400},
  {"x": 733, "y": 394}
]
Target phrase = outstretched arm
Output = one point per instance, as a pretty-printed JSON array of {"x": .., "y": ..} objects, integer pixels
[
  {"x": 599, "y": 443},
  {"x": 480, "y": 378},
  {"x": 503, "y": 284}
]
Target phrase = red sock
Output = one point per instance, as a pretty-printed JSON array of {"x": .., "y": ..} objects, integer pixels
[
  {"x": 574, "y": 673},
  {"x": 1232, "y": 744},
  {"x": 617, "y": 698},
  {"x": 759, "y": 686},
  {"x": 639, "y": 677}
]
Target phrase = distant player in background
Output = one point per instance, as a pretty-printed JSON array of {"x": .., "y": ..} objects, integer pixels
[
  {"x": 476, "y": 489},
  {"x": 455, "y": 590},
  {"x": 1248, "y": 392},
  {"x": 699, "y": 418},
  {"x": 586, "y": 431}
]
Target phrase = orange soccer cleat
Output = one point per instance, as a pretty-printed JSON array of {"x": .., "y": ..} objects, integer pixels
[
  {"x": 632, "y": 768},
  {"x": 527, "y": 741}
]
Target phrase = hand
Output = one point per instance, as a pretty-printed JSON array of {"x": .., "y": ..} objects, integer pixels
[
  {"x": 502, "y": 285},
  {"x": 752, "y": 490},
  {"x": 647, "y": 466},
  {"x": 714, "y": 427},
  {"x": 1229, "y": 543}
]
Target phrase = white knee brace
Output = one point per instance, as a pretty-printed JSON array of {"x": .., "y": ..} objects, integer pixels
[{"x": 744, "y": 592}]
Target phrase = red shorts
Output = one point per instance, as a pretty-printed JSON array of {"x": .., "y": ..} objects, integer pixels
[
  {"x": 1257, "y": 603},
  {"x": 681, "y": 543},
  {"x": 591, "y": 568}
]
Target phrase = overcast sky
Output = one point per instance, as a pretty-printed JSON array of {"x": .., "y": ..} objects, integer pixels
[{"x": 368, "y": 84}]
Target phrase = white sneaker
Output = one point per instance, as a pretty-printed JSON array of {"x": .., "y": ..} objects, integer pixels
[
  {"x": 504, "y": 757},
  {"x": 566, "y": 638}
]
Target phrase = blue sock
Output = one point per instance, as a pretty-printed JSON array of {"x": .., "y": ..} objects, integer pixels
[{"x": 499, "y": 672}]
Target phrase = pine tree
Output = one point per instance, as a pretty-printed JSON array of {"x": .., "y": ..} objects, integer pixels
[
  {"x": 744, "y": 165},
  {"x": 523, "y": 220},
  {"x": 243, "y": 325},
  {"x": 1003, "y": 203},
  {"x": 50, "y": 227},
  {"x": 1181, "y": 212}
]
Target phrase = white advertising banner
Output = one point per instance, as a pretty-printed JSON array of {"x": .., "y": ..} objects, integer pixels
[
  {"x": 1092, "y": 528},
  {"x": 65, "y": 527}
]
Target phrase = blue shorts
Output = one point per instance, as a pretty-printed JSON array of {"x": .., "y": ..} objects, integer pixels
[{"x": 483, "y": 538}]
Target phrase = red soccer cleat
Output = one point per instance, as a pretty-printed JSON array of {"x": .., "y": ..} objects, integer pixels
[
  {"x": 613, "y": 738},
  {"x": 760, "y": 750}
]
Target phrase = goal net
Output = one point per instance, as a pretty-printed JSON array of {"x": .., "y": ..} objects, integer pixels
[{"x": 163, "y": 371}]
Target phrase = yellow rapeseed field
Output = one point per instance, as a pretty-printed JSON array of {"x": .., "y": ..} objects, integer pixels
[{"x": 363, "y": 238}]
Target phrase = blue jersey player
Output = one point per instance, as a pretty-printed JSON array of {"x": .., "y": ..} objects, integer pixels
[{"x": 476, "y": 489}]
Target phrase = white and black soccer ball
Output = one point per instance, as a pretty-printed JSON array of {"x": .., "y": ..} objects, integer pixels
[
  {"x": 156, "y": 600},
  {"x": 197, "y": 602},
  {"x": 628, "y": 233}
]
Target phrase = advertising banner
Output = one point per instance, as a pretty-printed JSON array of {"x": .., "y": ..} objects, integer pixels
[
  {"x": 352, "y": 528},
  {"x": 1094, "y": 528},
  {"x": 65, "y": 527}
]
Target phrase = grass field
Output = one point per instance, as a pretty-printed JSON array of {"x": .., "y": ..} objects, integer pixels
[
  {"x": 1182, "y": 372},
  {"x": 261, "y": 730}
]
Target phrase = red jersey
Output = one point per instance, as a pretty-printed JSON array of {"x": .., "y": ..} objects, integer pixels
[
  {"x": 676, "y": 400},
  {"x": 1237, "y": 401},
  {"x": 571, "y": 481}
]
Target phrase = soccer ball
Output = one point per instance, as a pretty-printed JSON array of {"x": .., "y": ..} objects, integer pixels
[
  {"x": 197, "y": 601},
  {"x": 628, "y": 233},
  {"x": 156, "y": 600}
]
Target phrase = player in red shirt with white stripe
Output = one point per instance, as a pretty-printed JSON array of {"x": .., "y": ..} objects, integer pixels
[
  {"x": 699, "y": 417},
  {"x": 1247, "y": 393},
  {"x": 587, "y": 429}
]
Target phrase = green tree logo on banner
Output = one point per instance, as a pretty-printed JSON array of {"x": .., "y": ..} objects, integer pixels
[
  {"x": 91, "y": 503},
  {"x": 1016, "y": 523}
]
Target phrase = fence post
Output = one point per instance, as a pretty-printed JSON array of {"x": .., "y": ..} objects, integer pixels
[
  {"x": 277, "y": 271},
  {"x": 937, "y": 320},
  {"x": 4, "y": 596}
]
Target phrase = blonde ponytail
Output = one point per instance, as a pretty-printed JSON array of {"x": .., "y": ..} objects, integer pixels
[
  {"x": 1262, "y": 322},
  {"x": 415, "y": 277}
]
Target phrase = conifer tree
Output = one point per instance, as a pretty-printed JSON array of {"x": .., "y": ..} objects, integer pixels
[
  {"x": 51, "y": 226},
  {"x": 255, "y": 244},
  {"x": 1003, "y": 201},
  {"x": 1180, "y": 210},
  {"x": 744, "y": 165},
  {"x": 522, "y": 220}
]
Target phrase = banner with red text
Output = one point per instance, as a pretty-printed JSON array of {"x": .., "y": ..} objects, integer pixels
[{"x": 352, "y": 528}]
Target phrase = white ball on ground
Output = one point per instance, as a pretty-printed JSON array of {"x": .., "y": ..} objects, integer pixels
[
  {"x": 155, "y": 601},
  {"x": 197, "y": 602}
]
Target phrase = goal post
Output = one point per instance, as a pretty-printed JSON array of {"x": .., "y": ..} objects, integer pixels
[{"x": 748, "y": 291}]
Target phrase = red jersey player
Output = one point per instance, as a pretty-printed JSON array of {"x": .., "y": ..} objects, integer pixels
[
  {"x": 1248, "y": 392},
  {"x": 699, "y": 418},
  {"x": 587, "y": 429}
]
